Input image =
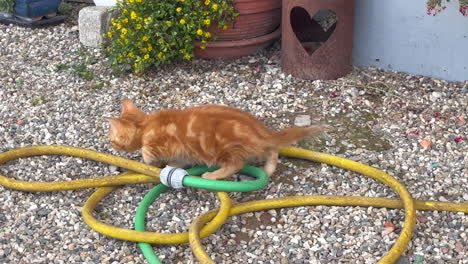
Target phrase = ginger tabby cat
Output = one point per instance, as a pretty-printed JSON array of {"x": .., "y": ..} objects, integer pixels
[{"x": 210, "y": 134}]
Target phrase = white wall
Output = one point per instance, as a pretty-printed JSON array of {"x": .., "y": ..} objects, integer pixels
[{"x": 399, "y": 35}]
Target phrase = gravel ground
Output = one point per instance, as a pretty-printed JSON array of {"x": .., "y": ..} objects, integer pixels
[{"x": 54, "y": 91}]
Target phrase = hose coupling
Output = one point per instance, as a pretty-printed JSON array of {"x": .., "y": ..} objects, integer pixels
[{"x": 173, "y": 177}]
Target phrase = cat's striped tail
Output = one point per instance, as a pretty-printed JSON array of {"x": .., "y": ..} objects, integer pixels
[{"x": 291, "y": 135}]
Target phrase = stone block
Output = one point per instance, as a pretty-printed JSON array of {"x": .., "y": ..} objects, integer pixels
[
  {"x": 93, "y": 22},
  {"x": 302, "y": 121}
]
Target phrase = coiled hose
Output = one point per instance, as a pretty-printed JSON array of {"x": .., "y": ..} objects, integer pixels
[{"x": 142, "y": 173}]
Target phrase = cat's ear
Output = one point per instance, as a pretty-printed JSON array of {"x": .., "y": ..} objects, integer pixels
[{"x": 129, "y": 109}]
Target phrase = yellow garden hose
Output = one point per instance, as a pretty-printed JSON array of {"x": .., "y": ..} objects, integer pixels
[
  {"x": 147, "y": 173},
  {"x": 142, "y": 173},
  {"x": 149, "y": 237},
  {"x": 408, "y": 203},
  {"x": 296, "y": 201}
]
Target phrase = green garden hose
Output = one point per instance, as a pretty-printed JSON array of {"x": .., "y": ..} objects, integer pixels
[
  {"x": 149, "y": 198},
  {"x": 227, "y": 186},
  {"x": 190, "y": 181}
]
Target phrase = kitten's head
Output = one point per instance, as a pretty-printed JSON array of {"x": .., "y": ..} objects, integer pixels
[{"x": 124, "y": 131}]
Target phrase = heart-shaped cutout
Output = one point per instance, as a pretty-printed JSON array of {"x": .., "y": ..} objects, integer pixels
[{"x": 312, "y": 32}]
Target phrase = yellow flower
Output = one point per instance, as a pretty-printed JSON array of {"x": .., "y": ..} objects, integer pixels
[
  {"x": 215, "y": 7},
  {"x": 160, "y": 55},
  {"x": 200, "y": 32},
  {"x": 113, "y": 21},
  {"x": 207, "y": 2},
  {"x": 203, "y": 47},
  {"x": 125, "y": 20},
  {"x": 179, "y": 9},
  {"x": 109, "y": 34},
  {"x": 139, "y": 1},
  {"x": 125, "y": 11},
  {"x": 207, "y": 22},
  {"x": 124, "y": 31},
  {"x": 138, "y": 26},
  {"x": 145, "y": 38},
  {"x": 182, "y": 21},
  {"x": 119, "y": 26},
  {"x": 146, "y": 56},
  {"x": 148, "y": 19},
  {"x": 207, "y": 35},
  {"x": 133, "y": 15},
  {"x": 204, "y": 41},
  {"x": 131, "y": 55},
  {"x": 122, "y": 36},
  {"x": 187, "y": 57},
  {"x": 183, "y": 51},
  {"x": 150, "y": 48},
  {"x": 225, "y": 27},
  {"x": 169, "y": 23},
  {"x": 131, "y": 1}
]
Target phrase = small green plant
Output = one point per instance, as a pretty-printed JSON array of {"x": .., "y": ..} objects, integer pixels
[
  {"x": 19, "y": 82},
  {"x": 61, "y": 67},
  {"x": 83, "y": 71},
  {"x": 82, "y": 52},
  {"x": 91, "y": 60},
  {"x": 147, "y": 32},
  {"x": 7, "y": 5},
  {"x": 38, "y": 100},
  {"x": 97, "y": 86},
  {"x": 104, "y": 215},
  {"x": 65, "y": 8}
]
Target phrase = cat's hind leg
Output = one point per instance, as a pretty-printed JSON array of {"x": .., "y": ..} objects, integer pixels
[
  {"x": 271, "y": 162},
  {"x": 221, "y": 173},
  {"x": 229, "y": 165}
]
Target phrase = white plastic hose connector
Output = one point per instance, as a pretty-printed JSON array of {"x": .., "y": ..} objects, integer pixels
[{"x": 172, "y": 177}]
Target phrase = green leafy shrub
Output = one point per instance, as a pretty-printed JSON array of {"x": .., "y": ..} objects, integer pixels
[
  {"x": 65, "y": 8},
  {"x": 7, "y": 5},
  {"x": 148, "y": 32}
]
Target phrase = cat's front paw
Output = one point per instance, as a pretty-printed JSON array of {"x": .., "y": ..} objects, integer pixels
[{"x": 209, "y": 176}]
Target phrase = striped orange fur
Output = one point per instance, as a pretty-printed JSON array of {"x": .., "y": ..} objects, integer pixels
[{"x": 210, "y": 134}]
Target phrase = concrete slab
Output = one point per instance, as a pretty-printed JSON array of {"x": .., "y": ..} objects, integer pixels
[{"x": 93, "y": 22}]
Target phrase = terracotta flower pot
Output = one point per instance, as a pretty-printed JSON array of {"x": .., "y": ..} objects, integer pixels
[
  {"x": 256, "y": 27},
  {"x": 235, "y": 48},
  {"x": 256, "y": 18}
]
